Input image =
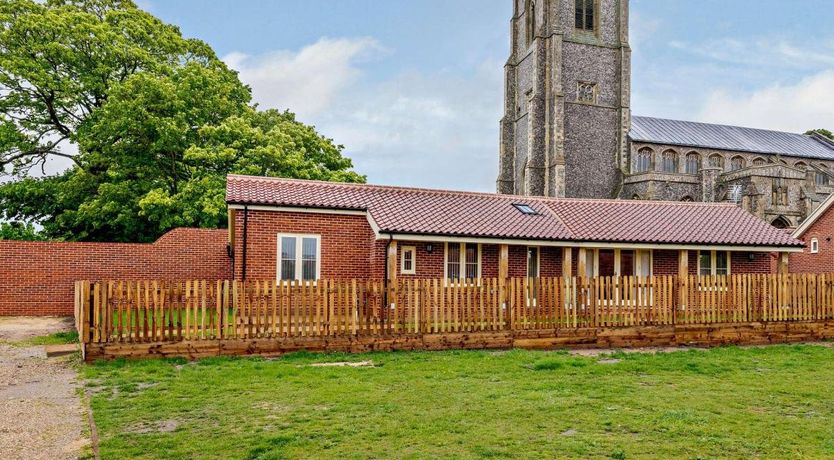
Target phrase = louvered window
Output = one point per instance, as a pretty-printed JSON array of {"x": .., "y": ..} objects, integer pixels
[{"x": 586, "y": 15}]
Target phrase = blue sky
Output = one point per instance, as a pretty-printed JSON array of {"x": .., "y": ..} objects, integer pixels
[{"x": 413, "y": 88}]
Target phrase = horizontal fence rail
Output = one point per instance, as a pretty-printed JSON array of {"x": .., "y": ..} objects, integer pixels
[{"x": 162, "y": 311}]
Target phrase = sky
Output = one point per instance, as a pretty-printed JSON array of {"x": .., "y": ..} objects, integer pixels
[{"x": 413, "y": 88}]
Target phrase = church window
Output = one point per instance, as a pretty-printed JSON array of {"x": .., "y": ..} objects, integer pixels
[
  {"x": 736, "y": 163},
  {"x": 693, "y": 163},
  {"x": 781, "y": 222},
  {"x": 586, "y": 15},
  {"x": 716, "y": 161},
  {"x": 759, "y": 161},
  {"x": 635, "y": 197},
  {"x": 531, "y": 22},
  {"x": 643, "y": 160},
  {"x": 669, "y": 161},
  {"x": 822, "y": 177},
  {"x": 687, "y": 199},
  {"x": 800, "y": 165},
  {"x": 586, "y": 92}
]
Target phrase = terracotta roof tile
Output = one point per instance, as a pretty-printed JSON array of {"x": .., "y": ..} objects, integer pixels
[{"x": 452, "y": 213}]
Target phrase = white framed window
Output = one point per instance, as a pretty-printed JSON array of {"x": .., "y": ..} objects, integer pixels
[
  {"x": 713, "y": 263},
  {"x": 462, "y": 261},
  {"x": 408, "y": 260},
  {"x": 815, "y": 246},
  {"x": 299, "y": 257}
]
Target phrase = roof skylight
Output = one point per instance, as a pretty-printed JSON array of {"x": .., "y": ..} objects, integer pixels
[{"x": 525, "y": 209}]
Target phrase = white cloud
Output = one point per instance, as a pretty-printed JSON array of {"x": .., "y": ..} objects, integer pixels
[
  {"x": 761, "y": 51},
  {"x": 437, "y": 129},
  {"x": 808, "y": 104},
  {"x": 305, "y": 81}
]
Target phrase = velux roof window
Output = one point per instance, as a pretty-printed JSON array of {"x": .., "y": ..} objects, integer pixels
[{"x": 525, "y": 209}]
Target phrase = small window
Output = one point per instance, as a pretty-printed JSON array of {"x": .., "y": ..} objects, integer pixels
[
  {"x": 525, "y": 209},
  {"x": 712, "y": 263},
  {"x": 463, "y": 261},
  {"x": 669, "y": 163},
  {"x": 586, "y": 92},
  {"x": 800, "y": 165},
  {"x": 643, "y": 160},
  {"x": 815, "y": 246},
  {"x": 585, "y": 15},
  {"x": 299, "y": 257},
  {"x": 759, "y": 162},
  {"x": 408, "y": 260},
  {"x": 693, "y": 163},
  {"x": 736, "y": 163}
]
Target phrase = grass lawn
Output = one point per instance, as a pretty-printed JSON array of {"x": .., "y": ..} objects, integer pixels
[{"x": 772, "y": 402}]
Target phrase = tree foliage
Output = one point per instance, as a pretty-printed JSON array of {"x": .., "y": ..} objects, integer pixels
[
  {"x": 157, "y": 121},
  {"x": 822, "y": 132},
  {"x": 19, "y": 231}
]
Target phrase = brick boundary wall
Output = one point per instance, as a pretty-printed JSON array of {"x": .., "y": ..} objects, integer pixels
[{"x": 36, "y": 278}]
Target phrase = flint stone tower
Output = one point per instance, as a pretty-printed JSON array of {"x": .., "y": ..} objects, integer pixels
[{"x": 566, "y": 99}]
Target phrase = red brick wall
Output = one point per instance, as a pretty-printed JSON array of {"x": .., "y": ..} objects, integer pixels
[
  {"x": 666, "y": 262},
  {"x": 346, "y": 243},
  {"x": 36, "y": 278},
  {"x": 349, "y": 250},
  {"x": 822, "y": 262}
]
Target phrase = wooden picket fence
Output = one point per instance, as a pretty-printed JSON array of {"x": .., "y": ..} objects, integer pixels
[{"x": 163, "y": 311}]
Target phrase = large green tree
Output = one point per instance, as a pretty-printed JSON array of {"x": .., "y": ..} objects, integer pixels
[{"x": 157, "y": 121}]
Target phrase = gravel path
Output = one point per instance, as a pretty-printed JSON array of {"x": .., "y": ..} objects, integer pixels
[{"x": 42, "y": 414}]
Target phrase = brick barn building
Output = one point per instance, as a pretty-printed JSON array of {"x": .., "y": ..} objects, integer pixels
[
  {"x": 295, "y": 229},
  {"x": 816, "y": 232}
]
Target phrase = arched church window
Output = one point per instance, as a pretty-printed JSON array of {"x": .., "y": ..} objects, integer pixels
[
  {"x": 687, "y": 199},
  {"x": 586, "y": 15},
  {"x": 669, "y": 162},
  {"x": 759, "y": 161},
  {"x": 693, "y": 163},
  {"x": 736, "y": 163},
  {"x": 716, "y": 161},
  {"x": 643, "y": 160},
  {"x": 781, "y": 222},
  {"x": 531, "y": 21},
  {"x": 800, "y": 165},
  {"x": 635, "y": 197},
  {"x": 822, "y": 176}
]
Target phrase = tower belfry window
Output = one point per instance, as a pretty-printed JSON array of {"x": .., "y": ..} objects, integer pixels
[{"x": 586, "y": 15}]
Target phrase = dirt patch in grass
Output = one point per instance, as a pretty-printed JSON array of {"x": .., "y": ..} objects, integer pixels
[{"x": 164, "y": 426}]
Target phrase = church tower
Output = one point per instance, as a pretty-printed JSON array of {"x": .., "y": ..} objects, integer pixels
[{"x": 566, "y": 99}]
